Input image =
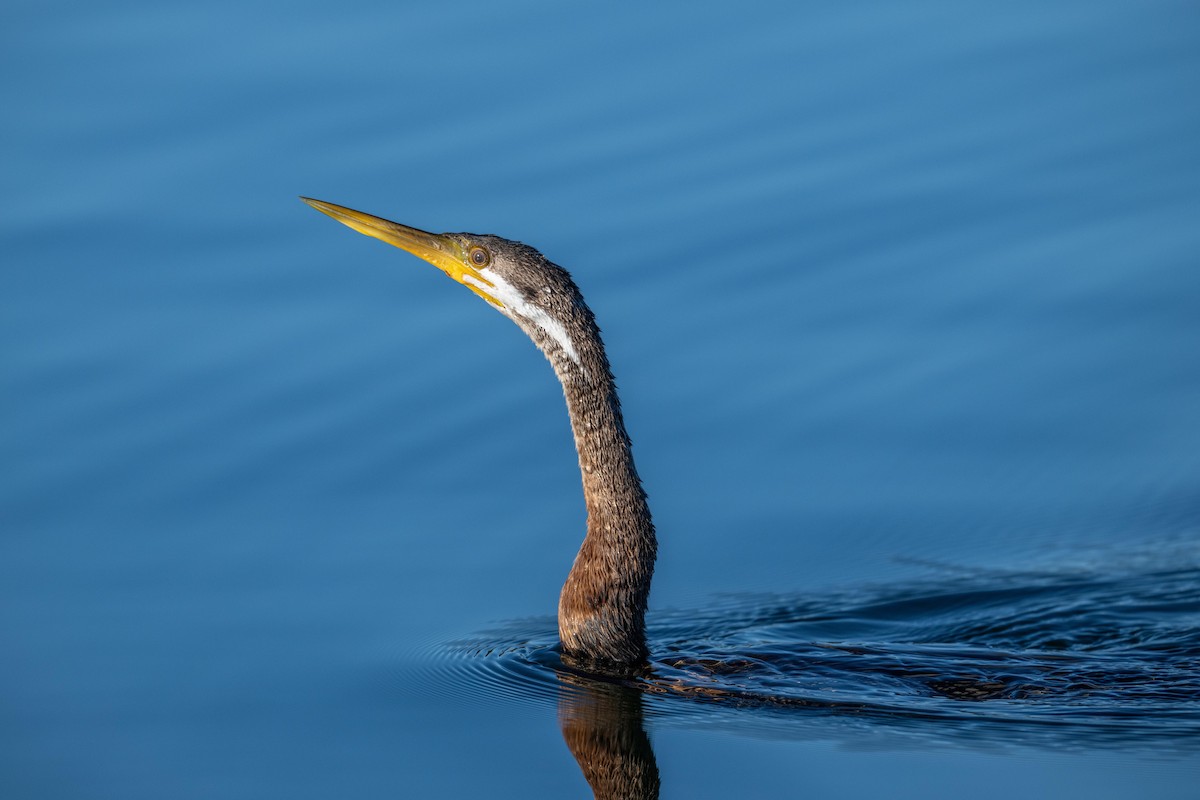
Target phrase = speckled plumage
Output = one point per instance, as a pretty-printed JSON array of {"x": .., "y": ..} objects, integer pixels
[{"x": 602, "y": 609}]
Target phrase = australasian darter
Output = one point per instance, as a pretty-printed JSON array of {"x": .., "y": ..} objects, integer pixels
[{"x": 602, "y": 608}]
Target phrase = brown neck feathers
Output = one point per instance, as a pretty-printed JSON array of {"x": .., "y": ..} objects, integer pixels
[{"x": 602, "y": 609}]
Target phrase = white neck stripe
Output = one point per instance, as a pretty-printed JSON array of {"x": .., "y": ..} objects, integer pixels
[{"x": 515, "y": 304}]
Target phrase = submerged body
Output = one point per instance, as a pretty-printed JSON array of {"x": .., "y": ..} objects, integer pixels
[{"x": 602, "y": 609}]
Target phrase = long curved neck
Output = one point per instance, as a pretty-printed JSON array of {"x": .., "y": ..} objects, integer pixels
[{"x": 602, "y": 609}]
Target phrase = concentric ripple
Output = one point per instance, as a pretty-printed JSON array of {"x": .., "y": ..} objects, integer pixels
[{"x": 1074, "y": 660}]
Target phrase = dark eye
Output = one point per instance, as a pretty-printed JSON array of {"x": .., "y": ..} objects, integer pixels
[{"x": 479, "y": 257}]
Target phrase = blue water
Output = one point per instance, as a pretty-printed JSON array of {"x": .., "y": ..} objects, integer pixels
[{"x": 902, "y": 300}]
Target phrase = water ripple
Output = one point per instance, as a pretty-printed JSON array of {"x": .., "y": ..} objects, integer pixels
[{"x": 1078, "y": 660}]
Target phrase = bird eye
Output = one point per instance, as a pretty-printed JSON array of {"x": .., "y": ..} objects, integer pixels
[{"x": 479, "y": 257}]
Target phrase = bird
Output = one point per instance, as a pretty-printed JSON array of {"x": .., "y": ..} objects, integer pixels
[{"x": 602, "y": 607}]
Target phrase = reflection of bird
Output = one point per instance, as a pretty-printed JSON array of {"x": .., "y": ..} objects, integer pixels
[
  {"x": 602, "y": 609},
  {"x": 602, "y": 725}
]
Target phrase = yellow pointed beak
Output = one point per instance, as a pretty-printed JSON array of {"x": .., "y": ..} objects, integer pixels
[{"x": 443, "y": 251}]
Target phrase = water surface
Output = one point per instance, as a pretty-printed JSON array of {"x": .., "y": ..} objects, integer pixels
[{"x": 901, "y": 300}]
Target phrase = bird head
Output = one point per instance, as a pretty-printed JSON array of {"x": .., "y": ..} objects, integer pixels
[{"x": 513, "y": 278}]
